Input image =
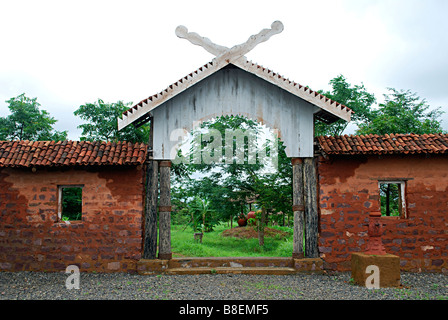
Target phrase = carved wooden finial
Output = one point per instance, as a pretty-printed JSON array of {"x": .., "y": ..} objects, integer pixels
[
  {"x": 194, "y": 38},
  {"x": 234, "y": 53}
]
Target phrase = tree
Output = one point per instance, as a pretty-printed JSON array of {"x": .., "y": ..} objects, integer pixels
[
  {"x": 220, "y": 197},
  {"x": 202, "y": 215},
  {"x": 355, "y": 97},
  {"x": 228, "y": 185},
  {"x": 402, "y": 112},
  {"x": 27, "y": 122},
  {"x": 212, "y": 181},
  {"x": 273, "y": 191},
  {"x": 102, "y": 123}
]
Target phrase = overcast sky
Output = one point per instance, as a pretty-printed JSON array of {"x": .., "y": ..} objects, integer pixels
[{"x": 67, "y": 53}]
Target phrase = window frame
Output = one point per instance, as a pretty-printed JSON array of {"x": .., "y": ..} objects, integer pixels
[
  {"x": 60, "y": 187},
  {"x": 402, "y": 194}
]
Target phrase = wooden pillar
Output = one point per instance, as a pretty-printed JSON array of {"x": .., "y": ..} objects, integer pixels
[
  {"x": 165, "y": 211},
  {"x": 297, "y": 207},
  {"x": 311, "y": 213},
  {"x": 152, "y": 189}
]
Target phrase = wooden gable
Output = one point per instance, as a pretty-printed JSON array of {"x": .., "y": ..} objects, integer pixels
[{"x": 230, "y": 84}]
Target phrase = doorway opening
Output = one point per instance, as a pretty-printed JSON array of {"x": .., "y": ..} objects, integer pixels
[{"x": 232, "y": 183}]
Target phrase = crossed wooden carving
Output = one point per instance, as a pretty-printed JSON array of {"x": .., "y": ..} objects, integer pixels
[{"x": 229, "y": 54}]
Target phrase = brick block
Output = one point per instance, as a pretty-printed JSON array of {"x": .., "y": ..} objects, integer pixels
[
  {"x": 388, "y": 264},
  {"x": 113, "y": 266}
]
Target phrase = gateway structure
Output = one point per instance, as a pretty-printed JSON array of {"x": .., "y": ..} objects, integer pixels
[{"x": 232, "y": 85}]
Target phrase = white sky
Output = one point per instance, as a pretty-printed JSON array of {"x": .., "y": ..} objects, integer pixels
[{"x": 67, "y": 53}]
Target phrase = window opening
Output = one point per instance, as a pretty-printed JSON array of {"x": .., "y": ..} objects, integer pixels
[
  {"x": 70, "y": 203},
  {"x": 392, "y": 199}
]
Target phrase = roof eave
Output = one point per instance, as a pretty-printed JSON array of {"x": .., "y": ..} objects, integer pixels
[{"x": 330, "y": 110}]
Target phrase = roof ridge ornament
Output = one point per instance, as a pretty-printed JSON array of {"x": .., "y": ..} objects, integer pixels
[
  {"x": 223, "y": 53},
  {"x": 194, "y": 38},
  {"x": 330, "y": 110}
]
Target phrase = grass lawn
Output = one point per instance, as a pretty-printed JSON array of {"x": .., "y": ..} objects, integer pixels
[{"x": 214, "y": 244}]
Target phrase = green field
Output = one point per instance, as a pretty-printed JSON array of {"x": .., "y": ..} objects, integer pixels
[{"x": 214, "y": 244}]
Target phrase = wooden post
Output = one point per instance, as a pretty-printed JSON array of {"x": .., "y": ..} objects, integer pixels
[
  {"x": 151, "y": 135},
  {"x": 152, "y": 189},
  {"x": 151, "y": 196},
  {"x": 311, "y": 213},
  {"x": 165, "y": 211},
  {"x": 297, "y": 207}
]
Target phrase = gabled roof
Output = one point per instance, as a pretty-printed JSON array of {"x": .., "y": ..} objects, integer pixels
[
  {"x": 330, "y": 110},
  {"x": 70, "y": 153},
  {"x": 384, "y": 144}
]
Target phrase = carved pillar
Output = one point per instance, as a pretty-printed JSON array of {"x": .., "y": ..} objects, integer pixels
[
  {"x": 298, "y": 207},
  {"x": 165, "y": 211},
  {"x": 311, "y": 211},
  {"x": 152, "y": 189},
  {"x": 151, "y": 196}
]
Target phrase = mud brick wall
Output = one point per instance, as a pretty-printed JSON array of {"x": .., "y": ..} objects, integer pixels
[
  {"x": 108, "y": 239},
  {"x": 349, "y": 191}
]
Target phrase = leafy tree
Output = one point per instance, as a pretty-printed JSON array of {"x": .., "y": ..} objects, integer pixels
[
  {"x": 228, "y": 185},
  {"x": 224, "y": 199},
  {"x": 102, "y": 123},
  {"x": 27, "y": 122},
  {"x": 202, "y": 214},
  {"x": 355, "y": 97},
  {"x": 272, "y": 191},
  {"x": 216, "y": 181},
  {"x": 206, "y": 181},
  {"x": 402, "y": 112}
]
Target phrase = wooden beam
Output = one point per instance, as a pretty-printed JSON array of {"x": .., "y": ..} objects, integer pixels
[
  {"x": 165, "y": 211},
  {"x": 311, "y": 213},
  {"x": 152, "y": 189},
  {"x": 151, "y": 136},
  {"x": 297, "y": 207}
]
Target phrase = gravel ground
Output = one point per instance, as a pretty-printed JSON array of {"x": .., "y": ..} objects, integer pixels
[{"x": 120, "y": 286}]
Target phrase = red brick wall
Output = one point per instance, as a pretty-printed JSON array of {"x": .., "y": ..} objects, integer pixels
[
  {"x": 349, "y": 191},
  {"x": 108, "y": 239}
]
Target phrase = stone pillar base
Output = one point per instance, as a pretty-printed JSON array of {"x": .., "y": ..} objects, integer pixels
[
  {"x": 165, "y": 256},
  {"x": 388, "y": 265},
  {"x": 297, "y": 255},
  {"x": 309, "y": 265},
  {"x": 151, "y": 266}
]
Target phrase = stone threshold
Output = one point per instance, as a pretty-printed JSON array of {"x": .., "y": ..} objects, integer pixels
[{"x": 225, "y": 265}]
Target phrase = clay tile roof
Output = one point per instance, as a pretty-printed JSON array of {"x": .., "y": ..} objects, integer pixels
[
  {"x": 70, "y": 153},
  {"x": 384, "y": 144}
]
